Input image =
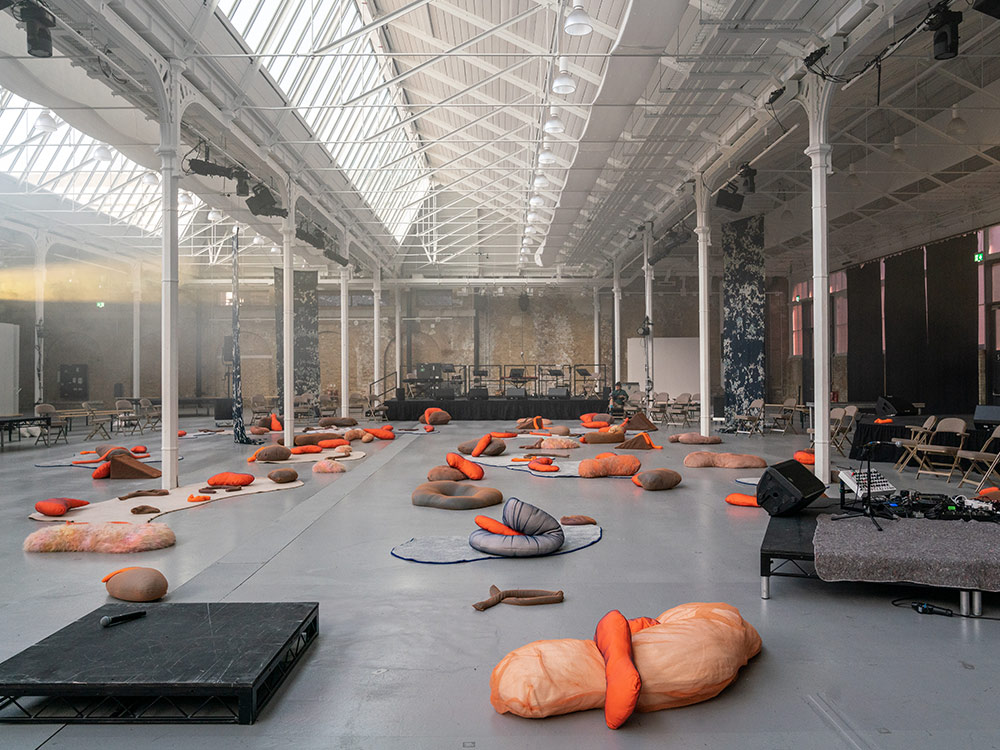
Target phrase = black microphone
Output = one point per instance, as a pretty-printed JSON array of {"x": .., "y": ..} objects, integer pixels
[
  {"x": 929, "y": 609},
  {"x": 107, "y": 622}
]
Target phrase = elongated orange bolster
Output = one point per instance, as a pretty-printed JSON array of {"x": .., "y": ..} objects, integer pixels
[
  {"x": 84, "y": 453},
  {"x": 495, "y": 527},
  {"x": 538, "y": 423},
  {"x": 109, "y": 576},
  {"x": 537, "y": 465},
  {"x": 482, "y": 445},
  {"x": 523, "y": 459},
  {"x": 543, "y": 434},
  {"x": 641, "y": 623},
  {"x": 198, "y": 498},
  {"x": 739, "y": 498},
  {"x": 181, "y": 433},
  {"x": 649, "y": 442},
  {"x": 254, "y": 456},
  {"x": 301, "y": 449},
  {"x": 614, "y": 640},
  {"x": 464, "y": 465},
  {"x": 428, "y": 428},
  {"x": 883, "y": 421},
  {"x": 382, "y": 433},
  {"x": 502, "y": 435},
  {"x": 103, "y": 457}
]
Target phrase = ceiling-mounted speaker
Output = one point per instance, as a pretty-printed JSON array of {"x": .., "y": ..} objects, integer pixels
[
  {"x": 989, "y": 7},
  {"x": 729, "y": 200}
]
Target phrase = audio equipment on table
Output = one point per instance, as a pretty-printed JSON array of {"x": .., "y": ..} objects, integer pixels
[{"x": 857, "y": 482}]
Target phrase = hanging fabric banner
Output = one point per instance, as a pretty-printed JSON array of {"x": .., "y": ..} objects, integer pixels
[
  {"x": 305, "y": 332},
  {"x": 239, "y": 429}
]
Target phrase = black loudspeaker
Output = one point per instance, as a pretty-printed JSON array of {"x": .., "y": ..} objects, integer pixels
[
  {"x": 558, "y": 392},
  {"x": 989, "y": 7},
  {"x": 480, "y": 394},
  {"x": 986, "y": 416},
  {"x": 787, "y": 488},
  {"x": 401, "y": 394},
  {"x": 223, "y": 409},
  {"x": 729, "y": 200},
  {"x": 227, "y": 349},
  {"x": 516, "y": 393},
  {"x": 890, "y": 406},
  {"x": 442, "y": 392}
]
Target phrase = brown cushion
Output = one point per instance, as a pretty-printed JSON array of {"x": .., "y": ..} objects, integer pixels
[
  {"x": 283, "y": 476},
  {"x": 558, "y": 443},
  {"x": 455, "y": 495},
  {"x": 137, "y": 585},
  {"x": 436, "y": 417},
  {"x": 602, "y": 437},
  {"x": 610, "y": 466},
  {"x": 577, "y": 520},
  {"x": 706, "y": 459},
  {"x": 559, "y": 429},
  {"x": 337, "y": 422},
  {"x": 273, "y": 453},
  {"x": 695, "y": 438},
  {"x": 444, "y": 474},
  {"x": 257, "y": 430},
  {"x": 657, "y": 479},
  {"x": 495, "y": 448}
]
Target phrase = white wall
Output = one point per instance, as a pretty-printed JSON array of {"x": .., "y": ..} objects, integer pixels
[
  {"x": 675, "y": 364},
  {"x": 9, "y": 342}
]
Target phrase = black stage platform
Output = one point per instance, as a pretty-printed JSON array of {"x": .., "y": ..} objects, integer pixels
[
  {"x": 867, "y": 431},
  {"x": 203, "y": 663},
  {"x": 498, "y": 408}
]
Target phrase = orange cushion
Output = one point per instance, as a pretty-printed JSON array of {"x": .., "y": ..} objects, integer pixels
[
  {"x": 230, "y": 479},
  {"x": 482, "y": 445},
  {"x": 739, "y": 498},
  {"x": 539, "y": 464},
  {"x": 614, "y": 640},
  {"x": 57, "y": 506},
  {"x": 198, "y": 498},
  {"x": 596, "y": 425},
  {"x": 883, "y": 421},
  {"x": 139, "y": 449},
  {"x": 503, "y": 434},
  {"x": 103, "y": 471},
  {"x": 495, "y": 527},
  {"x": 333, "y": 443},
  {"x": 588, "y": 417},
  {"x": 300, "y": 449},
  {"x": 382, "y": 433},
  {"x": 181, "y": 433},
  {"x": 464, "y": 465},
  {"x": 805, "y": 457},
  {"x": 276, "y": 425}
]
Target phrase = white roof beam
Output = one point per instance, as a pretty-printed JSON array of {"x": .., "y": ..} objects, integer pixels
[{"x": 370, "y": 27}]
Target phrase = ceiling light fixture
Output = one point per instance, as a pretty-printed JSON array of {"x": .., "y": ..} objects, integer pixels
[
  {"x": 540, "y": 182},
  {"x": 258, "y": 240},
  {"x": 151, "y": 178},
  {"x": 103, "y": 153},
  {"x": 275, "y": 249},
  {"x": 578, "y": 23},
  {"x": 898, "y": 154},
  {"x": 545, "y": 156},
  {"x": 853, "y": 181},
  {"x": 956, "y": 126},
  {"x": 215, "y": 215},
  {"x": 536, "y": 201},
  {"x": 530, "y": 230},
  {"x": 563, "y": 83},
  {"x": 533, "y": 217},
  {"x": 553, "y": 125},
  {"x": 38, "y": 23},
  {"x": 46, "y": 123},
  {"x": 184, "y": 199}
]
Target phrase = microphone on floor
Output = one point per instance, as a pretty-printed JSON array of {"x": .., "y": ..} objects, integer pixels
[{"x": 107, "y": 622}]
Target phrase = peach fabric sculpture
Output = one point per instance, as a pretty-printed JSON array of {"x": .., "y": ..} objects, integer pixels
[
  {"x": 694, "y": 438},
  {"x": 686, "y": 655},
  {"x": 609, "y": 465},
  {"x": 707, "y": 459}
]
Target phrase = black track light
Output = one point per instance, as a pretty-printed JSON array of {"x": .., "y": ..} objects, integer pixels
[
  {"x": 263, "y": 202},
  {"x": 748, "y": 174},
  {"x": 38, "y": 23},
  {"x": 944, "y": 23},
  {"x": 209, "y": 169}
]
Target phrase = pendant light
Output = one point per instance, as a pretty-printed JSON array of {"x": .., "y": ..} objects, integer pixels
[
  {"x": 956, "y": 126},
  {"x": 553, "y": 125},
  {"x": 578, "y": 23},
  {"x": 563, "y": 83},
  {"x": 46, "y": 123}
]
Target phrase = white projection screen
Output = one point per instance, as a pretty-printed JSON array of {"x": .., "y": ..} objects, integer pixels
[{"x": 675, "y": 364}]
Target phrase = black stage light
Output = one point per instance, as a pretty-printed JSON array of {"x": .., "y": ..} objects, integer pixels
[
  {"x": 263, "y": 203},
  {"x": 37, "y": 25},
  {"x": 729, "y": 198},
  {"x": 748, "y": 174},
  {"x": 242, "y": 183},
  {"x": 209, "y": 169},
  {"x": 944, "y": 23},
  {"x": 645, "y": 328},
  {"x": 330, "y": 254},
  {"x": 314, "y": 238}
]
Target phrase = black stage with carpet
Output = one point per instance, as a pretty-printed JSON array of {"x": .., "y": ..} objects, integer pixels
[
  {"x": 498, "y": 408},
  {"x": 867, "y": 431},
  {"x": 215, "y": 662}
]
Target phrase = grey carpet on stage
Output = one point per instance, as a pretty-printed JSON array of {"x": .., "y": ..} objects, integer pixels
[
  {"x": 953, "y": 554},
  {"x": 444, "y": 550}
]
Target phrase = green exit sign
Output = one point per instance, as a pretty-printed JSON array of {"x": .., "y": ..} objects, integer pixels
[{"x": 978, "y": 257}]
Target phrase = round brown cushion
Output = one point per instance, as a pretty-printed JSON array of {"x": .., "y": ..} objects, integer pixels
[
  {"x": 657, "y": 479},
  {"x": 455, "y": 495},
  {"x": 273, "y": 453},
  {"x": 337, "y": 422},
  {"x": 444, "y": 474},
  {"x": 283, "y": 476},
  {"x": 495, "y": 448},
  {"x": 577, "y": 520},
  {"x": 559, "y": 429},
  {"x": 258, "y": 430},
  {"x": 706, "y": 459},
  {"x": 436, "y": 417},
  {"x": 137, "y": 585},
  {"x": 602, "y": 437},
  {"x": 694, "y": 438}
]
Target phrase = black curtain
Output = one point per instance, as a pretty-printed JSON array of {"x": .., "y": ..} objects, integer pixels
[
  {"x": 865, "y": 366},
  {"x": 952, "y": 373},
  {"x": 906, "y": 326}
]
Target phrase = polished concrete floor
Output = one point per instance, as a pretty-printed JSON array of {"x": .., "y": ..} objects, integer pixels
[{"x": 403, "y": 660}]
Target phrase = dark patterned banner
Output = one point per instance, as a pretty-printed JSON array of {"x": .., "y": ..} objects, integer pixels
[
  {"x": 743, "y": 314},
  {"x": 305, "y": 327},
  {"x": 239, "y": 429}
]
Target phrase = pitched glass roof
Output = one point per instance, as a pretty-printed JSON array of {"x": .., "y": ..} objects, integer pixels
[
  {"x": 312, "y": 83},
  {"x": 64, "y": 162}
]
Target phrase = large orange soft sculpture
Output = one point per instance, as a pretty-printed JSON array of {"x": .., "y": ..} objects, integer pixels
[
  {"x": 609, "y": 465},
  {"x": 686, "y": 655}
]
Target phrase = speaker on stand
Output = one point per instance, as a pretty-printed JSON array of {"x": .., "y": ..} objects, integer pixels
[{"x": 788, "y": 487}]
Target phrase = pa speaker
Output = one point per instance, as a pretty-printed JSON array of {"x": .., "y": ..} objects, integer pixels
[
  {"x": 401, "y": 394},
  {"x": 480, "y": 394},
  {"x": 558, "y": 392},
  {"x": 787, "y": 488},
  {"x": 729, "y": 200},
  {"x": 516, "y": 393},
  {"x": 890, "y": 406},
  {"x": 223, "y": 409},
  {"x": 989, "y": 7}
]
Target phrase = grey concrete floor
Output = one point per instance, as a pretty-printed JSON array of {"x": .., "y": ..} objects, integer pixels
[{"x": 403, "y": 660}]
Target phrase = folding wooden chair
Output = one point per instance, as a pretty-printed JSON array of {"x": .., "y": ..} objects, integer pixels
[
  {"x": 98, "y": 422},
  {"x": 753, "y": 420},
  {"x": 376, "y": 410},
  {"x": 784, "y": 420},
  {"x": 981, "y": 461},
  {"x": 127, "y": 418},
  {"x": 150, "y": 413},
  {"x": 55, "y": 429},
  {"x": 942, "y": 460},
  {"x": 836, "y": 420},
  {"x": 677, "y": 412},
  {"x": 918, "y": 436}
]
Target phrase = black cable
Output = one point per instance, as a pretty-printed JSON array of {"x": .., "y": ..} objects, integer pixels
[
  {"x": 911, "y": 602},
  {"x": 769, "y": 108}
]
